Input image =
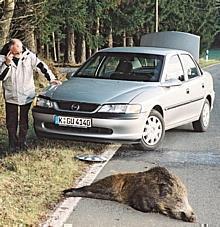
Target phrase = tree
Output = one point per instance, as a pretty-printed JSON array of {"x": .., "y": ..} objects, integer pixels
[
  {"x": 197, "y": 17},
  {"x": 130, "y": 18},
  {"x": 79, "y": 28},
  {"x": 6, "y": 18}
]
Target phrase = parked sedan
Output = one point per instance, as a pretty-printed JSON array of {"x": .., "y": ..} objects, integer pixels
[{"x": 127, "y": 95}]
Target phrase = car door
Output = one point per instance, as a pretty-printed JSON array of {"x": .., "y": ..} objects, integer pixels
[
  {"x": 175, "y": 97},
  {"x": 195, "y": 86}
]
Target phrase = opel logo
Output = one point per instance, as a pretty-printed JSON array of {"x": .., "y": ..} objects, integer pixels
[{"x": 75, "y": 107}]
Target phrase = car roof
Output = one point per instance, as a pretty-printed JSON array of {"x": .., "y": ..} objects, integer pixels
[{"x": 143, "y": 50}]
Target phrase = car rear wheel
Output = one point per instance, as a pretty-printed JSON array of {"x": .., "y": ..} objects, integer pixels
[
  {"x": 153, "y": 132},
  {"x": 203, "y": 123}
]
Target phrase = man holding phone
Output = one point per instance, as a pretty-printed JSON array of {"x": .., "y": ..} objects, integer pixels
[{"x": 17, "y": 64}]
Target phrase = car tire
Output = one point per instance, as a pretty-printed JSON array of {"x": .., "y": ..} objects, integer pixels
[
  {"x": 153, "y": 133},
  {"x": 203, "y": 123}
]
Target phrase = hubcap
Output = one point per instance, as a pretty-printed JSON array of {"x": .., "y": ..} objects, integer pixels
[
  {"x": 152, "y": 131},
  {"x": 206, "y": 115}
]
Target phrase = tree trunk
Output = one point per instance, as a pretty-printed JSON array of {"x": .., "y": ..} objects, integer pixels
[
  {"x": 83, "y": 50},
  {"x": 110, "y": 38},
  {"x": 30, "y": 39},
  {"x": 46, "y": 51},
  {"x": 70, "y": 47},
  {"x": 5, "y": 20},
  {"x": 124, "y": 38},
  {"x": 58, "y": 49},
  {"x": 38, "y": 45},
  {"x": 130, "y": 41},
  {"x": 88, "y": 52},
  {"x": 54, "y": 47},
  {"x": 97, "y": 34}
]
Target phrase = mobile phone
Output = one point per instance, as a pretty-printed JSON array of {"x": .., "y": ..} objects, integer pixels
[
  {"x": 6, "y": 48},
  {"x": 9, "y": 53}
]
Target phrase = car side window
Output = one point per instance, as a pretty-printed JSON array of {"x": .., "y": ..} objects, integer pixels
[
  {"x": 189, "y": 66},
  {"x": 175, "y": 69},
  {"x": 109, "y": 66},
  {"x": 90, "y": 68}
]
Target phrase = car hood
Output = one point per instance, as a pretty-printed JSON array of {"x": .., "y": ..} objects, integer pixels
[{"x": 97, "y": 90}]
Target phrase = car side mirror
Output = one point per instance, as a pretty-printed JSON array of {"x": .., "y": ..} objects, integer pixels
[
  {"x": 69, "y": 75},
  {"x": 181, "y": 78},
  {"x": 189, "y": 71},
  {"x": 172, "y": 83}
]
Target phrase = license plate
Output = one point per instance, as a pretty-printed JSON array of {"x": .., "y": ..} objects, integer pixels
[{"x": 73, "y": 121}]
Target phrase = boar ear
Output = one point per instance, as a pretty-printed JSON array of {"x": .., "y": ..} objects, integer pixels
[{"x": 164, "y": 189}]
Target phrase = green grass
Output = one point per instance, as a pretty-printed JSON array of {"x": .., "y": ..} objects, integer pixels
[
  {"x": 203, "y": 63},
  {"x": 32, "y": 181}
]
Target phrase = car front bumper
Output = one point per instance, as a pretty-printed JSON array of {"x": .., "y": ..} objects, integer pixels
[{"x": 121, "y": 128}]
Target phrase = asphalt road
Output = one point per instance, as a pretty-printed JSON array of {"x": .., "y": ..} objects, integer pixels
[{"x": 194, "y": 157}]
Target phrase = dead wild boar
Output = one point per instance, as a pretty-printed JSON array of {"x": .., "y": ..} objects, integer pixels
[{"x": 155, "y": 190}]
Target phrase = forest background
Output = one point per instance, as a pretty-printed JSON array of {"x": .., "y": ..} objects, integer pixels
[{"x": 70, "y": 31}]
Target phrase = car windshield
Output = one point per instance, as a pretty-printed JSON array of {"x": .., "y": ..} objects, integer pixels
[{"x": 123, "y": 66}]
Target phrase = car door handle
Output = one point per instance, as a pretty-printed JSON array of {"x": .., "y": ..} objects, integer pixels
[{"x": 187, "y": 91}]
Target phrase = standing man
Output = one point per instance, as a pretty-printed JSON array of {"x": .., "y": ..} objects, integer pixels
[{"x": 16, "y": 72}]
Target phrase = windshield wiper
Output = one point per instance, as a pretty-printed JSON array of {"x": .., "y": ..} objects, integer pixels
[{"x": 84, "y": 76}]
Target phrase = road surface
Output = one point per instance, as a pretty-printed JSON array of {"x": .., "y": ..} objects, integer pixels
[{"x": 194, "y": 157}]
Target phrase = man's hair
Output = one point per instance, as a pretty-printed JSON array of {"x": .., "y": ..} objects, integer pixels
[{"x": 6, "y": 48}]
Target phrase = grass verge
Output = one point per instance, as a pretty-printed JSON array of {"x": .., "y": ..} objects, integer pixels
[
  {"x": 203, "y": 63},
  {"x": 31, "y": 182}
]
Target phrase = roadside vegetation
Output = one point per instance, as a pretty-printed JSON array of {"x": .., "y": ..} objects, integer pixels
[
  {"x": 203, "y": 63},
  {"x": 31, "y": 182}
]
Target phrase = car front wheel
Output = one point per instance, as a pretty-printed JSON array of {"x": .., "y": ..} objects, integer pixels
[
  {"x": 203, "y": 123},
  {"x": 153, "y": 132}
]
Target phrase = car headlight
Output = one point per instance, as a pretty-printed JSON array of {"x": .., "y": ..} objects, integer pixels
[
  {"x": 121, "y": 108},
  {"x": 42, "y": 102}
]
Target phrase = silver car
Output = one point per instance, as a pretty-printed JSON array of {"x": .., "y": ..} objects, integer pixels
[{"x": 127, "y": 95}]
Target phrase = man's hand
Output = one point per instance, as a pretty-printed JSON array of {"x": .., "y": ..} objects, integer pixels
[
  {"x": 8, "y": 58},
  {"x": 55, "y": 82}
]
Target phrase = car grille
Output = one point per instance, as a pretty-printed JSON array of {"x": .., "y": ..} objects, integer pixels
[
  {"x": 77, "y": 106},
  {"x": 92, "y": 130}
]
